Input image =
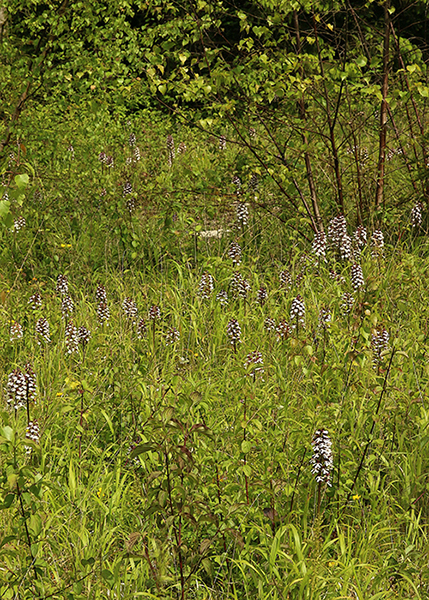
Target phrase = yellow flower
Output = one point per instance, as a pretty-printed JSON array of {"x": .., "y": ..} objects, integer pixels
[
  {"x": 65, "y": 245},
  {"x": 356, "y": 497},
  {"x": 60, "y": 394}
]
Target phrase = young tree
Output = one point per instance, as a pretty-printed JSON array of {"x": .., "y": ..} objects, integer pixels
[{"x": 59, "y": 51}]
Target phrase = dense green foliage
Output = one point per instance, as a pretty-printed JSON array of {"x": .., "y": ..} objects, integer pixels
[
  {"x": 335, "y": 84},
  {"x": 258, "y": 173},
  {"x": 162, "y": 468}
]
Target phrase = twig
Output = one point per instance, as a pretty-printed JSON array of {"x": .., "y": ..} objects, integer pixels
[{"x": 372, "y": 427}]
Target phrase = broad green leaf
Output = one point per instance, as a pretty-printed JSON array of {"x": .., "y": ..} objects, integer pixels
[
  {"x": 4, "y": 208},
  {"x": 22, "y": 180},
  {"x": 35, "y": 525},
  {"x": 246, "y": 446},
  {"x": 142, "y": 448}
]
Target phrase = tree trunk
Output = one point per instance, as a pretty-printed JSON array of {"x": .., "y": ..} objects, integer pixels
[
  {"x": 383, "y": 111},
  {"x": 331, "y": 123},
  {"x": 3, "y": 22},
  {"x": 301, "y": 106}
]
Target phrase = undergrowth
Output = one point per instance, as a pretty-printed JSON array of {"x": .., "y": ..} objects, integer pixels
[{"x": 165, "y": 451}]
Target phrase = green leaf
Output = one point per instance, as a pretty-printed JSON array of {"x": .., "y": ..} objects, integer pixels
[
  {"x": 6, "y": 540},
  {"x": 246, "y": 446},
  {"x": 4, "y": 208},
  {"x": 7, "y": 433},
  {"x": 141, "y": 448},
  {"x": 12, "y": 478},
  {"x": 247, "y": 470},
  {"x": 7, "y": 501},
  {"x": 35, "y": 525},
  {"x": 22, "y": 180},
  {"x": 108, "y": 576}
]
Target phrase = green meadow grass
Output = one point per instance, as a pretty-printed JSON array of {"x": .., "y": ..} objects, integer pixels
[{"x": 174, "y": 470}]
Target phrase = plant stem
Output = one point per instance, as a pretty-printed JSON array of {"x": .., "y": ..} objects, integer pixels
[
  {"x": 319, "y": 498},
  {"x": 177, "y": 534},
  {"x": 27, "y": 533},
  {"x": 372, "y": 428},
  {"x": 383, "y": 110},
  {"x": 245, "y": 461}
]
